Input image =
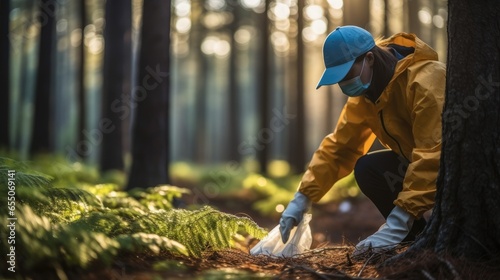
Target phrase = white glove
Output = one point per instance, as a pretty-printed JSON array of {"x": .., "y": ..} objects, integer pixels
[
  {"x": 389, "y": 235},
  {"x": 293, "y": 214}
]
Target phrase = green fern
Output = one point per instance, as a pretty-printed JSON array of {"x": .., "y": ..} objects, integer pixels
[
  {"x": 122, "y": 201},
  {"x": 75, "y": 223},
  {"x": 24, "y": 176},
  {"x": 42, "y": 243},
  {"x": 101, "y": 190},
  {"x": 147, "y": 242},
  {"x": 199, "y": 230},
  {"x": 159, "y": 197},
  {"x": 111, "y": 222},
  {"x": 63, "y": 205}
]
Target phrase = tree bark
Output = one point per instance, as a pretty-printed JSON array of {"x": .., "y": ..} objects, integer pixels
[
  {"x": 197, "y": 34},
  {"x": 150, "y": 128},
  {"x": 82, "y": 100},
  {"x": 263, "y": 76},
  {"x": 357, "y": 12},
  {"x": 413, "y": 21},
  {"x": 465, "y": 223},
  {"x": 297, "y": 129},
  {"x": 42, "y": 128},
  {"x": 116, "y": 82},
  {"x": 4, "y": 73},
  {"x": 234, "y": 110}
]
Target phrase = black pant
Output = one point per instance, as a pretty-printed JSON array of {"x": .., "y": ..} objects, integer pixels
[{"x": 380, "y": 176}]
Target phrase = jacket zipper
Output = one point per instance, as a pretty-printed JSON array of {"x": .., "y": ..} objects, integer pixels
[{"x": 390, "y": 136}]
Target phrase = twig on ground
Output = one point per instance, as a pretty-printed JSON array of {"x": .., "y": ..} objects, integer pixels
[
  {"x": 324, "y": 275},
  {"x": 311, "y": 270},
  {"x": 427, "y": 275},
  {"x": 349, "y": 262},
  {"x": 364, "y": 265},
  {"x": 452, "y": 269}
]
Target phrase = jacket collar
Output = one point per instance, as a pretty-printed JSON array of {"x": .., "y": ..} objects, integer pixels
[{"x": 422, "y": 52}]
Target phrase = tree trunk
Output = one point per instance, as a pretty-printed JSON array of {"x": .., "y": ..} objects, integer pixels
[
  {"x": 4, "y": 73},
  {"x": 233, "y": 131},
  {"x": 263, "y": 136},
  {"x": 197, "y": 35},
  {"x": 465, "y": 223},
  {"x": 43, "y": 99},
  {"x": 116, "y": 82},
  {"x": 82, "y": 100},
  {"x": 297, "y": 129},
  {"x": 150, "y": 128},
  {"x": 387, "y": 11},
  {"x": 357, "y": 12},
  {"x": 413, "y": 21}
]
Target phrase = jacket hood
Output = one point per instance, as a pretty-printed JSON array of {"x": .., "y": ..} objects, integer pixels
[{"x": 422, "y": 50}]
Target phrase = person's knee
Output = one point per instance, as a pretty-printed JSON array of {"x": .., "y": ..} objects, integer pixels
[
  {"x": 361, "y": 172},
  {"x": 361, "y": 165}
]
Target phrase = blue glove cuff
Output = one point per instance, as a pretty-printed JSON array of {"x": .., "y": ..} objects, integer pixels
[{"x": 299, "y": 205}]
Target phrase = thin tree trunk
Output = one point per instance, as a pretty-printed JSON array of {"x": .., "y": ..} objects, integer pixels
[
  {"x": 117, "y": 74},
  {"x": 414, "y": 22},
  {"x": 42, "y": 128},
  {"x": 4, "y": 73},
  {"x": 263, "y": 93},
  {"x": 82, "y": 100},
  {"x": 150, "y": 128},
  {"x": 386, "y": 18},
  {"x": 465, "y": 222},
  {"x": 357, "y": 12},
  {"x": 29, "y": 64},
  {"x": 297, "y": 129},
  {"x": 233, "y": 127},
  {"x": 197, "y": 35}
]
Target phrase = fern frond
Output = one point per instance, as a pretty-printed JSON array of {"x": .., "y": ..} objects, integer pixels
[
  {"x": 79, "y": 247},
  {"x": 66, "y": 205},
  {"x": 32, "y": 179},
  {"x": 152, "y": 243},
  {"x": 198, "y": 230},
  {"x": 159, "y": 197},
  {"x": 23, "y": 175},
  {"x": 63, "y": 195},
  {"x": 118, "y": 202},
  {"x": 101, "y": 190},
  {"x": 111, "y": 222},
  {"x": 39, "y": 242},
  {"x": 112, "y": 197}
]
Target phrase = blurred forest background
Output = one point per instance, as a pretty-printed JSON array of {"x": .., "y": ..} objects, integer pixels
[{"x": 88, "y": 80}]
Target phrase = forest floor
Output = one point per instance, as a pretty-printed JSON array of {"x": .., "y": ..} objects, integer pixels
[{"x": 334, "y": 235}]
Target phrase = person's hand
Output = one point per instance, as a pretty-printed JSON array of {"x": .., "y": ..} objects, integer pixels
[
  {"x": 293, "y": 214},
  {"x": 389, "y": 235}
]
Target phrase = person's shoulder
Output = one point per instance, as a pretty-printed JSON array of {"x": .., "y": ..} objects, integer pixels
[{"x": 428, "y": 66}]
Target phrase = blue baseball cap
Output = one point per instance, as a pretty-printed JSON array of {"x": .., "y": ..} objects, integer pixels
[{"x": 340, "y": 50}]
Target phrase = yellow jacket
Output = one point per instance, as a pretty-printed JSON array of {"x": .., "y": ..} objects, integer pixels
[{"x": 406, "y": 118}]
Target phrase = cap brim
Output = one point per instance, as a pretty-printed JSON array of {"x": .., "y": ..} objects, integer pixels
[{"x": 335, "y": 74}]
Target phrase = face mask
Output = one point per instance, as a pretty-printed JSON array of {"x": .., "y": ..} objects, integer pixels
[{"x": 355, "y": 87}]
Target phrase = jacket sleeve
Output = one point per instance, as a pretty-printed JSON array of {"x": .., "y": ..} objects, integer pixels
[
  {"x": 338, "y": 152},
  {"x": 419, "y": 185}
]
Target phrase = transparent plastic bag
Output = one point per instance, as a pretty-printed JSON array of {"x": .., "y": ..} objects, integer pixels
[{"x": 300, "y": 241}]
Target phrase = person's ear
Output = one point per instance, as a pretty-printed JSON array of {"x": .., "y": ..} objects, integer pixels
[{"x": 370, "y": 58}]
